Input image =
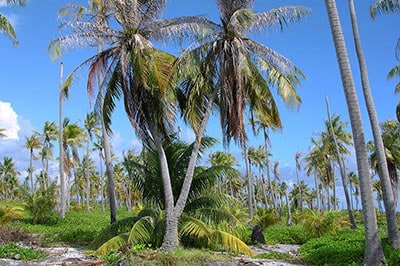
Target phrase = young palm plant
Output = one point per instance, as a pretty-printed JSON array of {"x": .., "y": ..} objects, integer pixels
[{"x": 205, "y": 222}]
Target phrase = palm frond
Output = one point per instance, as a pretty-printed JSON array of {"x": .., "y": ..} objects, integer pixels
[
  {"x": 117, "y": 228},
  {"x": 142, "y": 230},
  {"x": 281, "y": 17},
  {"x": 113, "y": 244},
  {"x": 7, "y": 28},
  {"x": 384, "y": 7}
]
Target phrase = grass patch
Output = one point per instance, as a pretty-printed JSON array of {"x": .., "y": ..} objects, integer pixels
[
  {"x": 78, "y": 228},
  {"x": 13, "y": 251},
  {"x": 179, "y": 257}
]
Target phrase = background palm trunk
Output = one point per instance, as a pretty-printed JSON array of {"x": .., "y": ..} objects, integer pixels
[
  {"x": 388, "y": 199},
  {"x": 373, "y": 246},
  {"x": 63, "y": 194}
]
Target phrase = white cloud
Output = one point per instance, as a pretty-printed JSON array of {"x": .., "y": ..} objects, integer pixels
[
  {"x": 3, "y": 3},
  {"x": 9, "y": 121}
]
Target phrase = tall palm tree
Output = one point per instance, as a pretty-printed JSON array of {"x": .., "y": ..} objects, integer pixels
[
  {"x": 340, "y": 160},
  {"x": 257, "y": 158},
  {"x": 97, "y": 13},
  {"x": 31, "y": 144},
  {"x": 388, "y": 199},
  {"x": 298, "y": 168},
  {"x": 237, "y": 72},
  {"x": 98, "y": 145},
  {"x": 146, "y": 98},
  {"x": 48, "y": 134},
  {"x": 73, "y": 136},
  {"x": 5, "y": 25},
  {"x": 91, "y": 125},
  {"x": 373, "y": 246}
]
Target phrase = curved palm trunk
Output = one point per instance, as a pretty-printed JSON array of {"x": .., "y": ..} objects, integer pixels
[
  {"x": 174, "y": 212},
  {"x": 373, "y": 246},
  {"x": 390, "y": 206},
  {"x": 342, "y": 170}
]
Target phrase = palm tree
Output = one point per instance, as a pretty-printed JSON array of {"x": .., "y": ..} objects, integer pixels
[
  {"x": 257, "y": 158},
  {"x": 48, "y": 134},
  {"x": 147, "y": 100},
  {"x": 97, "y": 13},
  {"x": 98, "y": 145},
  {"x": 298, "y": 168},
  {"x": 353, "y": 181},
  {"x": 8, "y": 176},
  {"x": 388, "y": 200},
  {"x": 91, "y": 125},
  {"x": 205, "y": 220},
  {"x": 373, "y": 246},
  {"x": 225, "y": 159},
  {"x": 336, "y": 132},
  {"x": 73, "y": 136},
  {"x": 31, "y": 143},
  {"x": 5, "y": 25},
  {"x": 237, "y": 72}
]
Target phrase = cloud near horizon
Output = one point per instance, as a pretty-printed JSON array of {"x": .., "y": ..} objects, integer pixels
[{"x": 9, "y": 121}]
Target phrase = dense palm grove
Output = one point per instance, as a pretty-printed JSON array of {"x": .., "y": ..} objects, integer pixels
[{"x": 182, "y": 193}]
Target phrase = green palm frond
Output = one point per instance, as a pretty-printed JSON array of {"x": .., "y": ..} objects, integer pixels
[
  {"x": 394, "y": 72},
  {"x": 7, "y": 28},
  {"x": 384, "y": 7},
  {"x": 113, "y": 244},
  {"x": 142, "y": 230},
  {"x": 10, "y": 213},
  {"x": 115, "y": 229},
  {"x": 232, "y": 243},
  {"x": 197, "y": 229}
]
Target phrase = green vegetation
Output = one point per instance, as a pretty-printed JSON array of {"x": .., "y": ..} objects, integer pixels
[{"x": 13, "y": 251}]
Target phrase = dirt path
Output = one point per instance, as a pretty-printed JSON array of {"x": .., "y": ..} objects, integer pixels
[{"x": 68, "y": 256}]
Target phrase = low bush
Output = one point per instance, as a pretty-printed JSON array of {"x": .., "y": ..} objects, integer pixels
[
  {"x": 344, "y": 248},
  {"x": 283, "y": 234}
]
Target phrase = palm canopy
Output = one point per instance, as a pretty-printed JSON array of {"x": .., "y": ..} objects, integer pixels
[
  {"x": 5, "y": 25},
  {"x": 130, "y": 63},
  {"x": 237, "y": 71}
]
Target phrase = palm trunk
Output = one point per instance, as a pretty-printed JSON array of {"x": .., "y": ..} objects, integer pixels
[
  {"x": 173, "y": 213},
  {"x": 87, "y": 201},
  {"x": 249, "y": 182},
  {"x": 373, "y": 246},
  {"x": 63, "y": 194},
  {"x": 31, "y": 170},
  {"x": 388, "y": 199}
]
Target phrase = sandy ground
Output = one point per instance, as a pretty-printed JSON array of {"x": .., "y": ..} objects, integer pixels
[{"x": 67, "y": 256}]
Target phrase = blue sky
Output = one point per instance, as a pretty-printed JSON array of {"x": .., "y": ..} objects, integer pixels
[{"x": 29, "y": 80}]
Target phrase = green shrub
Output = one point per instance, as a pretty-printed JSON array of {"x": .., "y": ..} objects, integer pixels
[
  {"x": 344, "y": 248},
  {"x": 319, "y": 224},
  {"x": 283, "y": 234},
  {"x": 266, "y": 218},
  {"x": 13, "y": 251},
  {"x": 41, "y": 206}
]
